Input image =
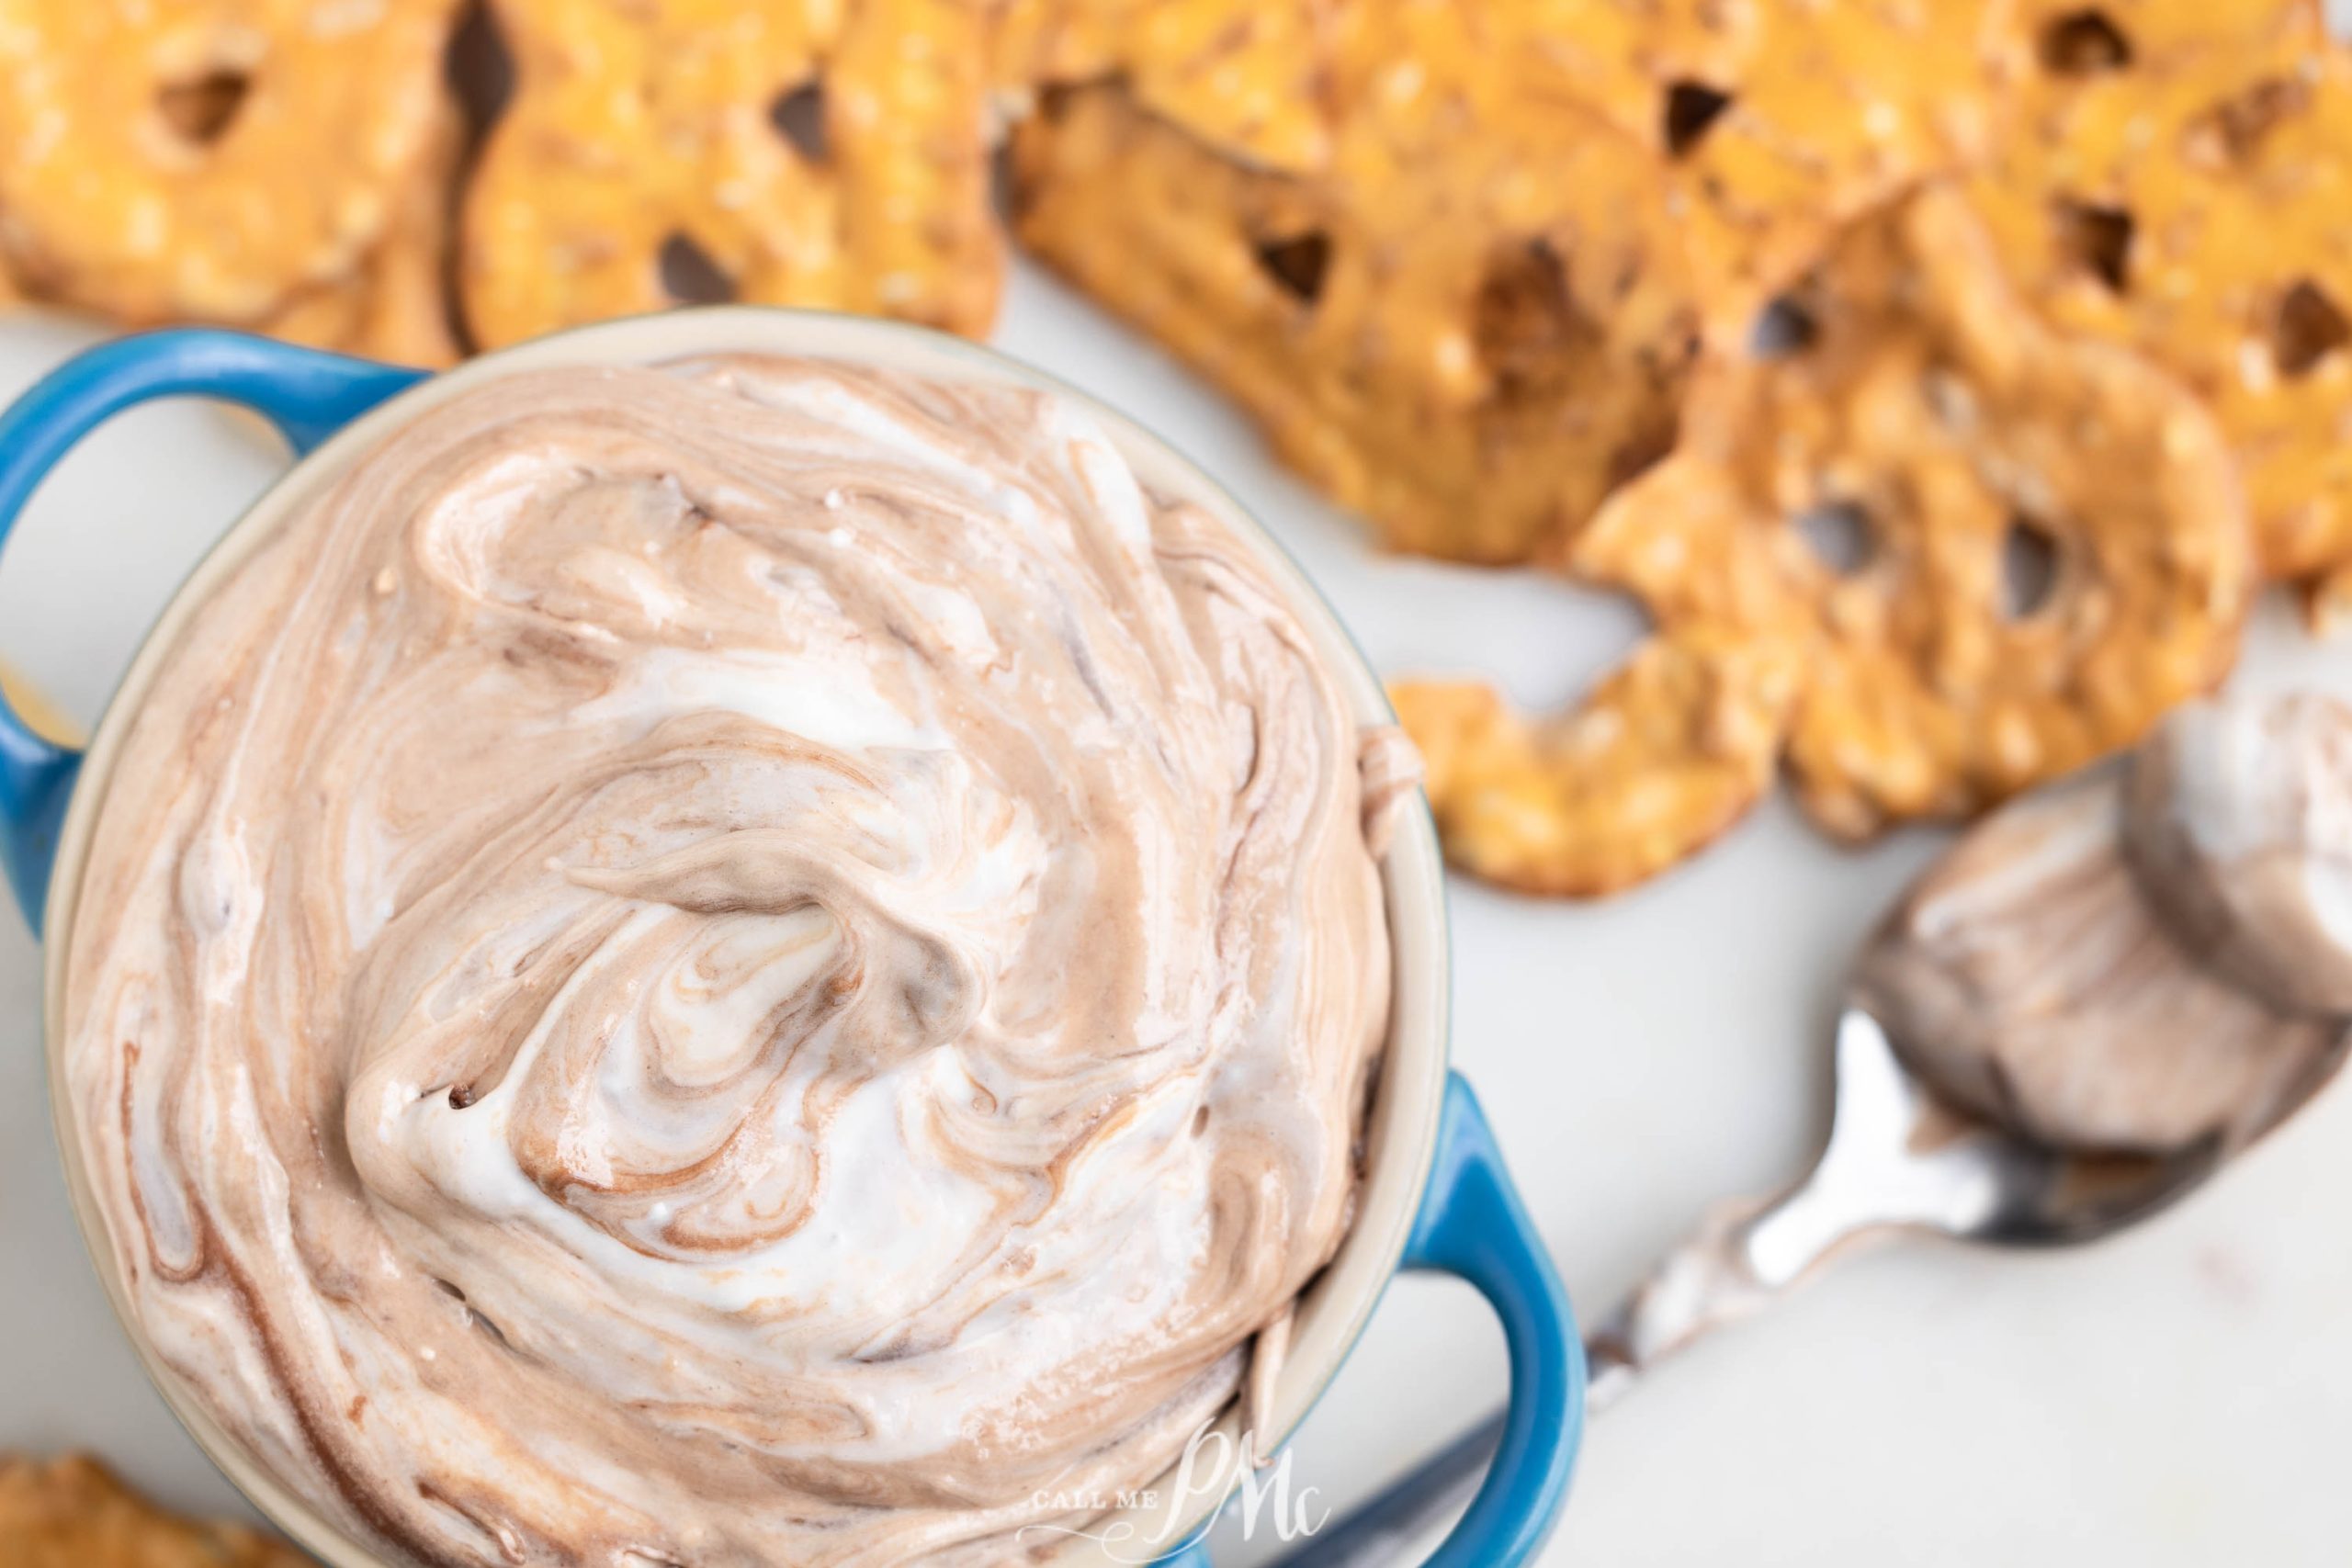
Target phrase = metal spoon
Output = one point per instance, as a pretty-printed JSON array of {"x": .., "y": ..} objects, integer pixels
[{"x": 1899, "y": 1160}]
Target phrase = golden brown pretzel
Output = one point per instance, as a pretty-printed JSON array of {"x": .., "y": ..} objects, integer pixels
[
  {"x": 2191, "y": 196},
  {"x": 1471, "y": 348},
  {"x": 72, "y": 1513},
  {"x": 208, "y": 159},
  {"x": 1773, "y": 121},
  {"x": 1922, "y": 404},
  {"x": 796, "y": 153},
  {"x": 395, "y": 305},
  {"x": 1659, "y": 758},
  {"x": 1248, "y": 78}
]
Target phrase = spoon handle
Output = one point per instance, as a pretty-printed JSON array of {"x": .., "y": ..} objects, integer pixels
[
  {"x": 1871, "y": 1180},
  {"x": 1743, "y": 1255}
]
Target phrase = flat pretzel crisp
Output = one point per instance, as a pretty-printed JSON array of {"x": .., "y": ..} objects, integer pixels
[
  {"x": 36, "y": 710},
  {"x": 2044, "y": 546},
  {"x": 1664, "y": 755},
  {"x": 72, "y": 1513},
  {"x": 1470, "y": 349},
  {"x": 2072, "y": 41},
  {"x": 1248, "y": 78},
  {"x": 1775, "y": 121},
  {"x": 206, "y": 159},
  {"x": 2196, "y": 206},
  {"x": 395, "y": 306},
  {"x": 803, "y": 154}
]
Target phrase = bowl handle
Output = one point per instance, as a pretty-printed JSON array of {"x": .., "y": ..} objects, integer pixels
[
  {"x": 306, "y": 394},
  {"x": 1473, "y": 1224}
]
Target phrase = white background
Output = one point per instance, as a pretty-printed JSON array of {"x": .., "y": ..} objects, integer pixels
[{"x": 2180, "y": 1395}]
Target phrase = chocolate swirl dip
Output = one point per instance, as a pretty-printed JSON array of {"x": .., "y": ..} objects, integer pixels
[{"x": 745, "y": 961}]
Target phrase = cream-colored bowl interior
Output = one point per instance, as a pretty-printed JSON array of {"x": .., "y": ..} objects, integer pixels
[{"x": 1412, "y": 1076}]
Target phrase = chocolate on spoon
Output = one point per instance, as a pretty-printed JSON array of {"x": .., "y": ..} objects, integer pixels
[{"x": 2145, "y": 956}]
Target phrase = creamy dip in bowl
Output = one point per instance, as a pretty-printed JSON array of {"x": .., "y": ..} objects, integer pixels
[{"x": 746, "y": 937}]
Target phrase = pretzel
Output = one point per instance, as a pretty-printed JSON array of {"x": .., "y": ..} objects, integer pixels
[
  {"x": 1775, "y": 121},
  {"x": 1248, "y": 78},
  {"x": 1664, "y": 755},
  {"x": 2198, "y": 208},
  {"x": 1471, "y": 348},
  {"x": 72, "y": 1513},
  {"x": 2327, "y": 602},
  {"x": 648, "y": 158},
  {"x": 1923, "y": 401},
  {"x": 395, "y": 307},
  {"x": 38, "y": 712},
  {"x": 2072, "y": 41},
  {"x": 206, "y": 159}
]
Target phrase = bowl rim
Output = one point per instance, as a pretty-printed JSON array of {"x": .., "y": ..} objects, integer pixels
[{"x": 1409, "y": 1089}]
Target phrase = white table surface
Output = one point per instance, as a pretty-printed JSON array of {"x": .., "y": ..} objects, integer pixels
[{"x": 2180, "y": 1395}]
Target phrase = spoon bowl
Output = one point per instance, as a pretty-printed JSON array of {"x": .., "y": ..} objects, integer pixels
[{"x": 1899, "y": 1159}]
